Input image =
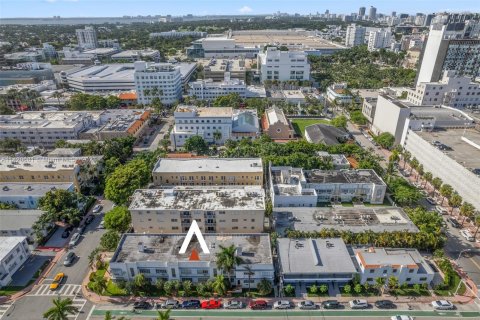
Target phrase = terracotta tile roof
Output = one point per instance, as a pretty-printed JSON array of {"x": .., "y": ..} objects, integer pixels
[{"x": 128, "y": 96}]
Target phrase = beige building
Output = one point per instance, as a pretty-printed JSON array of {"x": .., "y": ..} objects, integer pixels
[
  {"x": 276, "y": 125},
  {"x": 215, "y": 209},
  {"x": 79, "y": 170},
  {"x": 208, "y": 172}
]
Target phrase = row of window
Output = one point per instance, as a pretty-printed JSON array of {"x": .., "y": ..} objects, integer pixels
[{"x": 202, "y": 121}]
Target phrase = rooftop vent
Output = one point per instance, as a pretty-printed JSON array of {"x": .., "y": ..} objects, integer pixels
[{"x": 141, "y": 247}]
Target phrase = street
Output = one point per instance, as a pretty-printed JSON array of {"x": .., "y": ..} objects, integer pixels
[{"x": 36, "y": 302}]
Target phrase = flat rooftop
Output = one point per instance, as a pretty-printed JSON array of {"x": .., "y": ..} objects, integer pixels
[
  {"x": 233, "y": 165},
  {"x": 39, "y": 163},
  {"x": 199, "y": 198},
  {"x": 65, "y": 152},
  {"x": 219, "y": 112},
  {"x": 47, "y": 119},
  {"x": 313, "y": 256},
  {"x": 461, "y": 151},
  {"x": 31, "y": 189},
  {"x": 289, "y": 40},
  {"x": 7, "y": 244},
  {"x": 18, "y": 219},
  {"x": 343, "y": 176},
  {"x": 355, "y": 219},
  {"x": 110, "y": 72},
  {"x": 440, "y": 114},
  {"x": 255, "y": 248}
]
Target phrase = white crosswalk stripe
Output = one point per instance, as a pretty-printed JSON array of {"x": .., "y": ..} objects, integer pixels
[
  {"x": 4, "y": 308},
  {"x": 79, "y": 303},
  {"x": 63, "y": 290}
]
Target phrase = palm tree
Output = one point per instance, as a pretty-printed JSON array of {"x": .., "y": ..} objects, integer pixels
[
  {"x": 164, "y": 315},
  {"x": 219, "y": 285},
  {"x": 420, "y": 171},
  {"x": 436, "y": 183},
  {"x": 467, "y": 210},
  {"x": 414, "y": 164},
  {"x": 93, "y": 257},
  {"x": 455, "y": 201},
  {"x": 394, "y": 157},
  {"x": 380, "y": 284},
  {"x": 406, "y": 158},
  {"x": 61, "y": 309},
  {"x": 108, "y": 316},
  {"x": 446, "y": 191},
  {"x": 250, "y": 273},
  {"x": 477, "y": 224},
  {"x": 428, "y": 178},
  {"x": 99, "y": 284},
  {"x": 217, "y": 135},
  {"x": 57, "y": 95},
  {"x": 227, "y": 260}
]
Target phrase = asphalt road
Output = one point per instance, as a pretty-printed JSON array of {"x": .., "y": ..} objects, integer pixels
[
  {"x": 35, "y": 303},
  {"x": 154, "y": 140}
]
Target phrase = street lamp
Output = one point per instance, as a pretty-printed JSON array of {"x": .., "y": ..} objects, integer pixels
[{"x": 460, "y": 255}]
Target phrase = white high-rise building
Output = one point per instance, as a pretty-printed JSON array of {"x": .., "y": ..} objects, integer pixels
[
  {"x": 87, "y": 38},
  {"x": 162, "y": 80},
  {"x": 379, "y": 39},
  {"x": 210, "y": 90},
  {"x": 355, "y": 35},
  {"x": 280, "y": 65}
]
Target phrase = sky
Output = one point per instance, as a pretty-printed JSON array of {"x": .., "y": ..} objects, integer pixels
[{"x": 117, "y": 8}]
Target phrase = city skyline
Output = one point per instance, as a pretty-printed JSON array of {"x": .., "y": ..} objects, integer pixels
[{"x": 109, "y": 8}]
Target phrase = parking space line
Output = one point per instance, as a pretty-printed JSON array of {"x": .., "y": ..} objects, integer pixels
[{"x": 4, "y": 308}]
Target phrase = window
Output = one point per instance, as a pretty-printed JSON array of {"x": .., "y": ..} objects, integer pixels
[
  {"x": 372, "y": 270},
  {"x": 411, "y": 270}
]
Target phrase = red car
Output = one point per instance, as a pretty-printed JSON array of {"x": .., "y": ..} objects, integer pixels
[
  {"x": 211, "y": 304},
  {"x": 258, "y": 304}
]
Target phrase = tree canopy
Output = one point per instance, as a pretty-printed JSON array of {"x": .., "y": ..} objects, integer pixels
[
  {"x": 118, "y": 219},
  {"x": 196, "y": 144},
  {"x": 122, "y": 182}
]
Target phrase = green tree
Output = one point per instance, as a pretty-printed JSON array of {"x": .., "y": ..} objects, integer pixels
[
  {"x": 477, "y": 224},
  {"x": 168, "y": 286},
  {"x": 113, "y": 102},
  {"x": 436, "y": 183},
  {"x": 347, "y": 289},
  {"x": 428, "y": 178},
  {"x": 313, "y": 289},
  {"x": 380, "y": 284},
  {"x": 109, "y": 240},
  {"x": 98, "y": 284},
  {"x": 467, "y": 210},
  {"x": 227, "y": 260},
  {"x": 108, "y": 316},
  {"x": 187, "y": 288},
  {"x": 392, "y": 283},
  {"x": 165, "y": 144},
  {"x": 217, "y": 135},
  {"x": 406, "y": 157},
  {"x": 164, "y": 315},
  {"x": 196, "y": 144},
  {"x": 446, "y": 191},
  {"x": 93, "y": 257},
  {"x": 7, "y": 206},
  {"x": 289, "y": 290},
  {"x": 159, "y": 283},
  {"x": 61, "y": 309},
  {"x": 264, "y": 287},
  {"x": 339, "y": 122},
  {"x": 385, "y": 139},
  {"x": 323, "y": 288},
  {"x": 358, "y": 118},
  {"x": 358, "y": 288},
  {"x": 219, "y": 285},
  {"x": 455, "y": 201},
  {"x": 121, "y": 184},
  {"x": 140, "y": 282},
  {"x": 118, "y": 219}
]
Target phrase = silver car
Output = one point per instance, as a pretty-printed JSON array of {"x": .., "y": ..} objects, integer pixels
[
  {"x": 233, "y": 304},
  {"x": 282, "y": 304},
  {"x": 74, "y": 239},
  {"x": 307, "y": 305}
]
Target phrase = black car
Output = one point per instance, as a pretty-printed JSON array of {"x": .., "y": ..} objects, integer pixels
[
  {"x": 65, "y": 234},
  {"x": 142, "y": 305},
  {"x": 331, "y": 304},
  {"x": 385, "y": 304},
  {"x": 190, "y": 304},
  {"x": 454, "y": 222},
  {"x": 89, "y": 219},
  {"x": 69, "y": 258},
  {"x": 70, "y": 228}
]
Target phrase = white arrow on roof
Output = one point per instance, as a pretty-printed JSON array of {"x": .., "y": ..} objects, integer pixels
[{"x": 194, "y": 229}]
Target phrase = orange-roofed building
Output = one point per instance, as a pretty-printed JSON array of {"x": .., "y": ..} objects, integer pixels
[
  {"x": 276, "y": 125},
  {"x": 128, "y": 98}
]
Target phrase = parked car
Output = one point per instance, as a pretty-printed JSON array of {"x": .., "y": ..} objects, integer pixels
[
  {"x": 431, "y": 201},
  {"x": 69, "y": 258},
  {"x": 258, "y": 305},
  {"x": 443, "y": 305},
  {"x": 102, "y": 224},
  {"x": 233, "y": 304},
  {"x": 69, "y": 228},
  {"x": 307, "y": 305},
  {"x": 57, "y": 281},
  {"x": 282, "y": 304},
  {"x": 74, "y": 239},
  {"x": 191, "y": 304},
  {"x": 81, "y": 229},
  {"x": 97, "y": 208},
  {"x": 454, "y": 222},
  {"x": 358, "y": 304},
  {"x": 402, "y": 317},
  {"x": 211, "y": 304},
  {"x": 170, "y": 304},
  {"x": 385, "y": 304},
  {"x": 467, "y": 235},
  {"x": 441, "y": 211},
  {"x": 89, "y": 219},
  {"x": 145, "y": 305},
  {"x": 331, "y": 304},
  {"x": 65, "y": 234}
]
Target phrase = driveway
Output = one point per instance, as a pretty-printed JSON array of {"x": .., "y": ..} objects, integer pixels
[
  {"x": 26, "y": 272},
  {"x": 56, "y": 240}
]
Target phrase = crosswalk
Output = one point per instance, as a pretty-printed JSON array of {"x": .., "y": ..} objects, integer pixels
[
  {"x": 3, "y": 309},
  {"x": 79, "y": 303},
  {"x": 64, "y": 290}
]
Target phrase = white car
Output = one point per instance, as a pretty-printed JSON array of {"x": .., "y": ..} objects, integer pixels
[
  {"x": 97, "y": 208},
  {"x": 358, "y": 304},
  {"x": 467, "y": 235},
  {"x": 102, "y": 224},
  {"x": 282, "y": 304},
  {"x": 74, "y": 239},
  {"x": 307, "y": 305},
  {"x": 443, "y": 305},
  {"x": 402, "y": 317}
]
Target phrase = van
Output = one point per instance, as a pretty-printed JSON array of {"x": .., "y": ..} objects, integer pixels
[{"x": 467, "y": 235}]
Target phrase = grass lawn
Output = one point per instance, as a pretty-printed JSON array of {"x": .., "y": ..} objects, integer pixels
[
  {"x": 114, "y": 290},
  {"x": 300, "y": 124},
  {"x": 9, "y": 290},
  {"x": 448, "y": 292},
  {"x": 411, "y": 292}
]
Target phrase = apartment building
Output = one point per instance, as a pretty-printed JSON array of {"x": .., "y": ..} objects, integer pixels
[
  {"x": 452, "y": 91},
  {"x": 407, "y": 265},
  {"x": 295, "y": 187},
  {"x": 380, "y": 39},
  {"x": 87, "y": 38},
  {"x": 275, "y": 64},
  {"x": 276, "y": 125},
  {"x": 338, "y": 93},
  {"x": 355, "y": 35},
  {"x": 368, "y": 108},
  {"x": 208, "y": 172},
  {"x": 210, "y": 90},
  {"x": 26, "y": 195},
  {"x": 215, "y": 69},
  {"x": 14, "y": 223},
  {"x": 80, "y": 171},
  {"x": 157, "y": 80},
  {"x": 156, "y": 257},
  {"x": 227, "y": 209},
  {"x": 14, "y": 252}
]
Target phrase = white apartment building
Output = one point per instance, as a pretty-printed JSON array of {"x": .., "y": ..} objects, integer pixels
[
  {"x": 338, "y": 92},
  {"x": 163, "y": 77},
  {"x": 156, "y": 257},
  {"x": 87, "y": 38},
  {"x": 275, "y": 64},
  {"x": 379, "y": 39},
  {"x": 14, "y": 252},
  {"x": 407, "y": 265},
  {"x": 209, "y": 90},
  {"x": 452, "y": 91},
  {"x": 295, "y": 187},
  {"x": 355, "y": 35},
  {"x": 26, "y": 195},
  {"x": 226, "y": 209},
  {"x": 14, "y": 223}
]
